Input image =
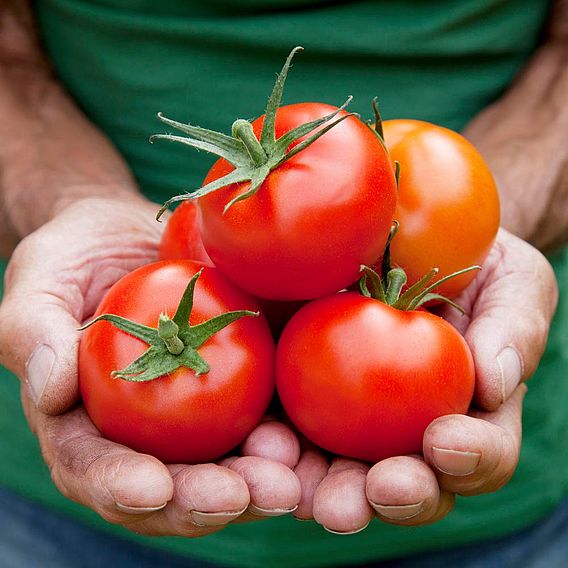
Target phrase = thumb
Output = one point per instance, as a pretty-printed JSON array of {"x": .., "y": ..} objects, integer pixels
[
  {"x": 38, "y": 328},
  {"x": 511, "y": 317}
]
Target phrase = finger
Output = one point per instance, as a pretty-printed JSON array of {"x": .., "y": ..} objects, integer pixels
[
  {"x": 38, "y": 333},
  {"x": 476, "y": 454},
  {"x": 512, "y": 309},
  {"x": 311, "y": 470},
  {"x": 206, "y": 497},
  {"x": 340, "y": 503},
  {"x": 111, "y": 479},
  {"x": 135, "y": 490},
  {"x": 274, "y": 488},
  {"x": 274, "y": 441},
  {"x": 404, "y": 491}
]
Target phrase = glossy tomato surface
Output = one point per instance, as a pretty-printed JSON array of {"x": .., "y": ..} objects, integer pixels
[
  {"x": 181, "y": 238},
  {"x": 448, "y": 206},
  {"x": 180, "y": 417},
  {"x": 314, "y": 220},
  {"x": 364, "y": 380}
]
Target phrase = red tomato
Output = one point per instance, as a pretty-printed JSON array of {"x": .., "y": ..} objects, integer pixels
[
  {"x": 364, "y": 380},
  {"x": 180, "y": 417},
  {"x": 448, "y": 206},
  {"x": 181, "y": 238},
  {"x": 314, "y": 220}
]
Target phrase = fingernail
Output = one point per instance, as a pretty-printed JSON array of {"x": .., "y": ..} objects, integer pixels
[
  {"x": 259, "y": 511},
  {"x": 454, "y": 462},
  {"x": 511, "y": 371},
  {"x": 38, "y": 370},
  {"x": 214, "y": 519},
  {"x": 138, "y": 510},
  {"x": 399, "y": 512},
  {"x": 346, "y": 532}
]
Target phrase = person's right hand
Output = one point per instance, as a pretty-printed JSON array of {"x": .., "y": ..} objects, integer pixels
[
  {"x": 55, "y": 280},
  {"x": 508, "y": 310}
]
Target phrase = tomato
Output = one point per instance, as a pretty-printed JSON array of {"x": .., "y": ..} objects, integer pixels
[
  {"x": 448, "y": 206},
  {"x": 181, "y": 238},
  {"x": 181, "y": 416},
  {"x": 364, "y": 380},
  {"x": 314, "y": 220}
]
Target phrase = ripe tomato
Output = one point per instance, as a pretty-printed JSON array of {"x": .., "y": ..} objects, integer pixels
[
  {"x": 448, "y": 206},
  {"x": 179, "y": 417},
  {"x": 181, "y": 238},
  {"x": 364, "y": 380},
  {"x": 315, "y": 219}
]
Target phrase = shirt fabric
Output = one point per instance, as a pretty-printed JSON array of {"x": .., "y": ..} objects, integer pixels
[{"x": 209, "y": 62}]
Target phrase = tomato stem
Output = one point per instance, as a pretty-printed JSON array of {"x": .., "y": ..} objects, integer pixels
[
  {"x": 242, "y": 129},
  {"x": 396, "y": 279},
  {"x": 168, "y": 331}
]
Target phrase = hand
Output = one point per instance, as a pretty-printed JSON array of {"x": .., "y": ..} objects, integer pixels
[
  {"x": 508, "y": 307},
  {"x": 54, "y": 281}
]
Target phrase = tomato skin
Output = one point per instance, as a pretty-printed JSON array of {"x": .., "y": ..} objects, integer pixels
[
  {"x": 314, "y": 220},
  {"x": 448, "y": 205},
  {"x": 179, "y": 418},
  {"x": 181, "y": 238},
  {"x": 364, "y": 380}
]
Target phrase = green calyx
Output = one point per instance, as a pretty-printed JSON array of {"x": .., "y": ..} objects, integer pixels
[
  {"x": 253, "y": 159},
  {"x": 377, "y": 129},
  {"x": 174, "y": 343},
  {"x": 388, "y": 289},
  {"x": 377, "y": 126}
]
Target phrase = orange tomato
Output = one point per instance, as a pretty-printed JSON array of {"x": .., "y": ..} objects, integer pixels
[{"x": 448, "y": 205}]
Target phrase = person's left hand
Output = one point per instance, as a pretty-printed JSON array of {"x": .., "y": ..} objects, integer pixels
[
  {"x": 54, "y": 282},
  {"x": 509, "y": 307}
]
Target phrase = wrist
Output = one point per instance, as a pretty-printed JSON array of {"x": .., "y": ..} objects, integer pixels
[
  {"x": 53, "y": 156},
  {"x": 523, "y": 137}
]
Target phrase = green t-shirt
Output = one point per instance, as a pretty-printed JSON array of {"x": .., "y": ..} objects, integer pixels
[{"x": 207, "y": 62}]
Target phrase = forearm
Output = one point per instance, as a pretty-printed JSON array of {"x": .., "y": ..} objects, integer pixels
[
  {"x": 524, "y": 137},
  {"x": 50, "y": 154}
]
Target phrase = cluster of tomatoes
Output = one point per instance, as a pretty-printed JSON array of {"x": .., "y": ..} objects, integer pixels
[{"x": 298, "y": 209}]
